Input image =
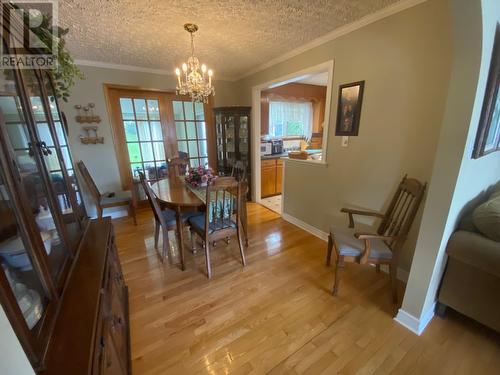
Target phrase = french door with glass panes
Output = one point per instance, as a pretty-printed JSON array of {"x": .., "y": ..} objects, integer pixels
[{"x": 152, "y": 127}]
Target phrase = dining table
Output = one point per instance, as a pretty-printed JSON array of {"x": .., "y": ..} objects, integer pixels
[{"x": 176, "y": 194}]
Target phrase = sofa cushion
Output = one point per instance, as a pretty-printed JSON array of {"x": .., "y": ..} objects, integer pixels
[
  {"x": 486, "y": 217},
  {"x": 476, "y": 250}
]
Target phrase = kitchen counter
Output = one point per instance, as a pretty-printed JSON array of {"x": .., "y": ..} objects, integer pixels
[
  {"x": 285, "y": 154},
  {"x": 274, "y": 156}
]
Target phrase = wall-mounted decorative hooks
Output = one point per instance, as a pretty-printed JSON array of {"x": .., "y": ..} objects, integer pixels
[
  {"x": 87, "y": 116},
  {"x": 91, "y": 136}
]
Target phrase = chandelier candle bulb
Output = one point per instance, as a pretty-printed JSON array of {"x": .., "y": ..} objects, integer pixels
[{"x": 193, "y": 82}]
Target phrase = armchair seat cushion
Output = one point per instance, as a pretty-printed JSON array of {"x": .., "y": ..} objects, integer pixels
[
  {"x": 348, "y": 245},
  {"x": 116, "y": 197}
]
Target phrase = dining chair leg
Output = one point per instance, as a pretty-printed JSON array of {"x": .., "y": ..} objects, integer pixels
[
  {"x": 157, "y": 233},
  {"x": 131, "y": 210},
  {"x": 240, "y": 244},
  {"x": 193, "y": 241},
  {"x": 329, "y": 250},
  {"x": 244, "y": 221},
  {"x": 394, "y": 286},
  {"x": 377, "y": 268},
  {"x": 339, "y": 264},
  {"x": 166, "y": 244},
  {"x": 99, "y": 211},
  {"x": 207, "y": 259}
]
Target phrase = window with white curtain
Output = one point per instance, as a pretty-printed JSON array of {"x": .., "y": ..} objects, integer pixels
[{"x": 290, "y": 119}]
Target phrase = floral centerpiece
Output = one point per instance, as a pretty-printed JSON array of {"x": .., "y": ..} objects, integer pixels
[{"x": 200, "y": 176}]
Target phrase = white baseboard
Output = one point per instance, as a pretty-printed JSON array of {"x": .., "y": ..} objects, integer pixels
[
  {"x": 307, "y": 227},
  {"x": 401, "y": 274},
  {"x": 415, "y": 325}
]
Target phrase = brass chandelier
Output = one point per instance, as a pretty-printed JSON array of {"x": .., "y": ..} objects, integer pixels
[{"x": 194, "y": 80}]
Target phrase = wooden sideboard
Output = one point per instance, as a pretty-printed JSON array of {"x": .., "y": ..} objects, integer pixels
[
  {"x": 91, "y": 333},
  {"x": 271, "y": 177}
]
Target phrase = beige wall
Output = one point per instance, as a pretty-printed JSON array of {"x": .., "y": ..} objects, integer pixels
[
  {"x": 101, "y": 159},
  {"x": 457, "y": 178},
  {"x": 405, "y": 60}
]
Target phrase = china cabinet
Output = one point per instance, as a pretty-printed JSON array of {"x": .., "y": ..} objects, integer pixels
[
  {"x": 60, "y": 282},
  {"x": 232, "y": 134}
]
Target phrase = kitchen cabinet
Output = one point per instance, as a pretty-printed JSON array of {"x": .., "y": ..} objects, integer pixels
[{"x": 271, "y": 177}]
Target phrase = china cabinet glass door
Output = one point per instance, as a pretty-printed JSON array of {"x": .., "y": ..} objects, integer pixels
[
  {"x": 52, "y": 155},
  {"x": 60, "y": 135},
  {"x": 26, "y": 157},
  {"x": 17, "y": 263}
]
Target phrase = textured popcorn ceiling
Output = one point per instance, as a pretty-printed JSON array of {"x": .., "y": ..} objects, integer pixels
[{"x": 234, "y": 36}]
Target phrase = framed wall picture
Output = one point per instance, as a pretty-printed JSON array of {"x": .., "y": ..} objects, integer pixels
[
  {"x": 349, "y": 108},
  {"x": 488, "y": 133}
]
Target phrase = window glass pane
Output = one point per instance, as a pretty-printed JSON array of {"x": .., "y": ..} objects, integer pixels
[
  {"x": 153, "y": 110},
  {"x": 193, "y": 149},
  {"x": 61, "y": 136},
  {"x": 130, "y": 131},
  {"x": 136, "y": 168},
  {"x": 191, "y": 130},
  {"x": 37, "y": 106},
  {"x": 127, "y": 109},
  {"x": 17, "y": 136},
  {"x": 159, "y": 150},
  {"x": 161, "y": 169},
  {"x": 66, "y": 157},
  {"x": 200, "y": 115},
  {"x": 10, "y": 108},
  {"x": 147, "y": 151},
  {"x": 134, "y": 152},
  {"x": 202, "y": 130},
  {"x": 44, "y": 133},
  {"x": 194, "y": 163},
  {"x": 143, "y": 128},
  {"x": 204, "y": 162},
  {"x": 51, "y": 161},
  {"x": 150, "y": 171},
  {"x": 140, "y": 109},
  {"x": 203, "y": 148},
  {"x": 178, "y": 111},
  {"x": 156, "y": 134},
  {"x": 16, "y": 261},
  {"x": 182, "y": 146},
  {"x": 189, "y": 110},
  {"x": 180, "y": 130}
]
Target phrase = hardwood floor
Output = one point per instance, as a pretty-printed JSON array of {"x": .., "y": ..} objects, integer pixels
[{"x": 276, "y": 315}]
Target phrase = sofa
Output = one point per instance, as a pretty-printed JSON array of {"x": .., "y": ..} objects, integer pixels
[{"x": 471, "y": 281}]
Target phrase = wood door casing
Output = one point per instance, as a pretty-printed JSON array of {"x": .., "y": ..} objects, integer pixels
[
  {"x": 279, "y": 176},
  {"x": 113, "y": 93}
]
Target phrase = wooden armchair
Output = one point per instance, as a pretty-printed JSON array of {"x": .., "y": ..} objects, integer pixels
[
  {"x": 107, "y": 200},
  {"x": 383, "y": 246}
]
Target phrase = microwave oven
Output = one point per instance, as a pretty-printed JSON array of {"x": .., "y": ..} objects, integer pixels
[{"x": 266, "y": 148}]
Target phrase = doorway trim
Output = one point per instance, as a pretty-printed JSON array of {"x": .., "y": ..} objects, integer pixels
[{"x": 256, "y": 123}]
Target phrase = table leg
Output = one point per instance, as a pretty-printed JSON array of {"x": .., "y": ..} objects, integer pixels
[{"x": 178, "y": 219}]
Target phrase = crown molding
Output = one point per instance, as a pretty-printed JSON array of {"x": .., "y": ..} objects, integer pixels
[
  {"x": 133, "y": 68},
  {"x": 343, "y": 30}
]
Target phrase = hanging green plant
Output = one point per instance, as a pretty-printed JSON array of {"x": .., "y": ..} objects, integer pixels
[{"x": 65, "y": 71}]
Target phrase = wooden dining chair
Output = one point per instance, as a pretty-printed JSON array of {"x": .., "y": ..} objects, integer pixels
[
  {"x": 164, "y": 218},
  {"x": 239, "y": 172},
  {"x": 178, "y": 166},
  {"x": 110, "y": 199},
  {"x": 221, "y": 218},
  {"x": 382, "y": 247}
]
